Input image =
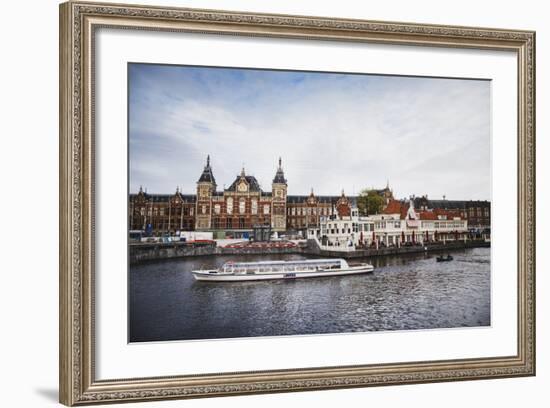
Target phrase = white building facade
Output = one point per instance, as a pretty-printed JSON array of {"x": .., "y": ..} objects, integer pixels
[{"x": 388, "y": 230}]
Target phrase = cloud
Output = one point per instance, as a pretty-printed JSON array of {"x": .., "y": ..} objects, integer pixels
[{"x": 333, "y": 131}]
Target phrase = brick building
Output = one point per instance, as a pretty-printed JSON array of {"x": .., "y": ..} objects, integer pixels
[
  {"x": 477, "y": 212},
  {"x": 235, "y": 210},
  {"x": 162, "y": 212}
]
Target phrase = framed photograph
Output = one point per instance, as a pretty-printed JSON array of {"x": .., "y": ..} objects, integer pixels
[{"x": 256, "y": 203}]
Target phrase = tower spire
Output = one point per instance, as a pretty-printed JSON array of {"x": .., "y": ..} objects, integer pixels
[
  {"x": 207, "y": 176},
  {"x": 280, "y": 175}
]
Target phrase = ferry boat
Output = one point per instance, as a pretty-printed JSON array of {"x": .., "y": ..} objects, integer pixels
[{"x": 307, "y": 268}]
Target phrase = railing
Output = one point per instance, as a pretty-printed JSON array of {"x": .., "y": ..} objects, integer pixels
[{"x": 342, "y": 248}]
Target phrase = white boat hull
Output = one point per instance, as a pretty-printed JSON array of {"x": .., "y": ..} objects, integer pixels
[{"x": 214, "y": 276}]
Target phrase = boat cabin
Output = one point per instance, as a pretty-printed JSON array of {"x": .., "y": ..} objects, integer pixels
[{"x": 282, "y": 266}]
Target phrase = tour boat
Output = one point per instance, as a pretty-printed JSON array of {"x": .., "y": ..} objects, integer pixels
[{"x": 307, "y": 268}]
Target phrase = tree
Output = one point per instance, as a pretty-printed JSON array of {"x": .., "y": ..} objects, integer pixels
[{"x": 369, "y": 202}]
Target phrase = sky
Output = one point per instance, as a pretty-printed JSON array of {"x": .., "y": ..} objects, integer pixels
[{"x": 333, "y": 132}]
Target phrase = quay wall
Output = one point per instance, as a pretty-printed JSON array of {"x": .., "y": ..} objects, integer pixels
[
  {"x": 157, "y": 251},
  {"x": 313, "y": 248}
]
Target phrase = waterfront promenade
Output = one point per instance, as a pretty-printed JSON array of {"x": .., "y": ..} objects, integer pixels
[{"x": 144, "y": 252}]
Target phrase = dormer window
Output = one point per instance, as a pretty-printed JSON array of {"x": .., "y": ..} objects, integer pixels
[{"x": 242, "y": 187}]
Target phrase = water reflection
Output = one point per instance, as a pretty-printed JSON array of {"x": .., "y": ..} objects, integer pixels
[{"x": 405, "y": 292}]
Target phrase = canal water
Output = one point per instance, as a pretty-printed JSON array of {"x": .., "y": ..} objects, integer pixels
[{"x": 404, "y": 292}]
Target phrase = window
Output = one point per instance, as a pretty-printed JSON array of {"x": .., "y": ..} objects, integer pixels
[
  {"x": 242, "y": 206},
  {"x": 254, "y": 207},
  {"x": 229, "y": 205},
  {"x": 266, "y": 209},
  {"x": 203, "y": 209},
  {"x": 217, "y": 209}
]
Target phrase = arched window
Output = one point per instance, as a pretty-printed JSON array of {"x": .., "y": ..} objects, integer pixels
[
  {"x": 242, "y": 206},
  {"x": 230, "y": 205}
]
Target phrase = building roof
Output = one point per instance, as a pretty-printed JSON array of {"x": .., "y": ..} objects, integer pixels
[
  {"x": 207, "y": 175},
  {"x": 279, "y": 175},
  {"x": 163, "y": 198},
  {"x": 299, "y": 199},
  {"x": 401, "y": 208},
  {"x": 393, "y": 207},
  {"x": 427, "y": 215},
  {"x": 253, "y": 184},
  {"x": 324, "y": 199},
  {"x": 447, "y": 204}
]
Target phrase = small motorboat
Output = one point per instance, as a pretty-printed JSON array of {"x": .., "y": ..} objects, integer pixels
[{"x": 442, "y": 258}]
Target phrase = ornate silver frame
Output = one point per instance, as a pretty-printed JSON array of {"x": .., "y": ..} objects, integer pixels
[{"x": 78, "y": 21}]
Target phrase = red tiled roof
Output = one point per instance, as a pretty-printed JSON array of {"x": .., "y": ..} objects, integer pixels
[
  {"x": 449, "y": 213},
  {"x": 393, "y": 207},
  {"x": 427, "y": 215},
  {"x": 401, "y": 208}
]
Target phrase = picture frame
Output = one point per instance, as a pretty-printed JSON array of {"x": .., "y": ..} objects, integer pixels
[{"x": 79, "y": 22}]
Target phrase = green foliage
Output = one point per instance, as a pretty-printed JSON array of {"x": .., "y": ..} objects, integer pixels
[{"x": 369, "y": 202}]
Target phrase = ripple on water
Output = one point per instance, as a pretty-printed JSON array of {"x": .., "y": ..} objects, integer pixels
[{"x": 403, "y": 293}]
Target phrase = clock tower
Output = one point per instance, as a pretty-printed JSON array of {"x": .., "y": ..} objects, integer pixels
[
  {"x": 279, "y": 191},
  {"x": 206, "y": 186}
]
